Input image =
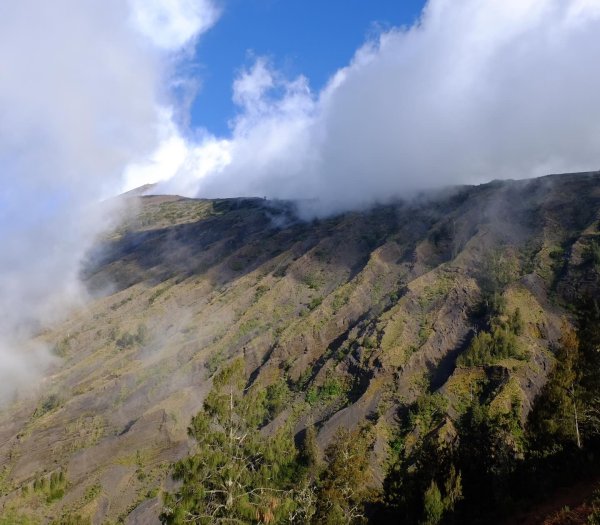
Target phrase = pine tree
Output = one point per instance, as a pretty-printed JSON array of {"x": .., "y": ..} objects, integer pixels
[
  {"x": 556, "y": 416},
  {"x": 433, "y": 506},
  {"x": 344, "y": 483},
  {"x": 235, "y": 475}
]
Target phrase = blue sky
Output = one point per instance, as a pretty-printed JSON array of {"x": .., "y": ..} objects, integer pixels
[{"x": 309, "y": 37}]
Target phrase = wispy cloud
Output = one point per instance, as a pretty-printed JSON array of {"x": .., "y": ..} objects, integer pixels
[{"x": 171, "y": 24}]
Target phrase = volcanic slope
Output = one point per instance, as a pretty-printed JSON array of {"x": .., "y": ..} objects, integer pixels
[{"x": 354, "y": 316}]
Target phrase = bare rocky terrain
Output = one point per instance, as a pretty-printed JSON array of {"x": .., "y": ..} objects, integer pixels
[{"x": 356, "y": 314}]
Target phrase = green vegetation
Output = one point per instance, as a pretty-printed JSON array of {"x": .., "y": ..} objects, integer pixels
[
  {"x": 500, "y": 339},
  {"x": 427, "y": 412},
  {"x": 261, "y": 289},
  {"x": 235, "y": 474},
  {"x": 127, "y": 340},
  {"x": 92, "y": 492},
  {"x": 155, "y": 295},
  {"x": 72, "y": 519},
  {"x": 158, "y": 215},
  {"x": 52, "y": 487},
  {"x": 341, "y": 299},
  {"x": 238, "y": 475},
  {"x": 487, "y": 464},
  {"x": 433, "y": 505},
  {"x": 13, "y": 517},
  {"x": 592, "y": 253},
  {"x": 369, "y": 312},
  {"x": 331, "y": 388},
  {"x": 50, "y": 403},
  {"x": 61, "y": 349},
  {"x": 499, "y": 268},
  {"x": 315, "y": 302},
  {"x": 281, "y": 271},
  {"x": 343, "y": 487},
  {"x": 278, "y": 396},
  {"x": 313, "y": 280},
  {"x": 594, "y": 517},
  {"x": 214, "y": 361},
  {"x": 487, "y": 348}
]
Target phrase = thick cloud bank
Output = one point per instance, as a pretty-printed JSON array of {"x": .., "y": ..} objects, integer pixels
[
  {"x": 79, "y": 100},
  {"x": 476, "y": 90}
]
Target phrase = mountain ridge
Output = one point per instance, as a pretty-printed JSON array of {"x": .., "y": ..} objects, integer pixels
[{"x": 353, "y": 316}]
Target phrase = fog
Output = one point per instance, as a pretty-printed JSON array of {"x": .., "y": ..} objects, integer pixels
[{"x": 81, "y": 97}]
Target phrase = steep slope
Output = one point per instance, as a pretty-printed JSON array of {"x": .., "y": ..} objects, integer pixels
[{"x": 346, "y": 319}]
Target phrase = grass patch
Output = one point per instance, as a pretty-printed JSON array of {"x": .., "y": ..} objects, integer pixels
[
  {"x": 313, "y": 280},
  {"x": 332, "y": 388},
  {"x": 52, "y": 488},
  {"x": 156, "y": 294},
  {"x": 127, "y": 340},
  {"x": 50, "y": 403},
  {"x": 315, "y": 303},
  {"x": 92, "y": 492},
  {"x": 214, "y": 361}
]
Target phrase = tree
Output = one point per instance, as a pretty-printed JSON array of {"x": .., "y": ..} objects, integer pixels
[
  {"x": 309, "y": 453},
  {"x": 453, "y": 489},
  {"x": 556, "y": 415},
  {"x": 343, "y": 487},
  {"x": 235, "y": 475},
  {"x": 433, "y": 506},
  {"x": 490, "y": 451},
  {"x": 589, "y": 370},
  {"x": 499, "y": 268}
]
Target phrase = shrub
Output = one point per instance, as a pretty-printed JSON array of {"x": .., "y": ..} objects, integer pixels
[
  {"x": 592, "y": 253},
  {"x": 277, "y": 396},
  {"x": 51, "y": 402},
  {"x": 52, "y": 488},
  {"x": 315, "y": 303},
  {"x": 128, "y": 340},
  {"x": 214, "y": 361},
  {"x": 486, "y": 348},
  {"x": 330, "y": 389},
  {"x": 313, "y": 281},
  {"x": 157, "y": 294}
]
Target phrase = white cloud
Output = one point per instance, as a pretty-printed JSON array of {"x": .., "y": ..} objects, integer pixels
[
  {"x": 170, "y": 24},
  {"x": 209, "y": 157},
  {"x": 250, "y": 87},
  {"x": 80, "y": 98},
  {"x": 474, "y": 91},
  {"x": 269, "y": 140},
  {"x": 164, "y": 162}
]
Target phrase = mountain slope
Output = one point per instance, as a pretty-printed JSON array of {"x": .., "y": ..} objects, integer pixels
[{"x": 351, "y": 317}]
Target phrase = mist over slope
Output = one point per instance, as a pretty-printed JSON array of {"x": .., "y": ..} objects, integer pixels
[
  {"x": 354, "y": 318},
  {"x": 81, "y": 97}
]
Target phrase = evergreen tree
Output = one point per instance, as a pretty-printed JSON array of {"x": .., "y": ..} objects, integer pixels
[
  {"x": 310, "y": 456},
  {"x": 235, "y": 475},
  {"x": 433, "y": 506},
  {"x": 589, "y": 371},
  {"x": 555, "y": 419},
  {"x": 343, "y": 488}
]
